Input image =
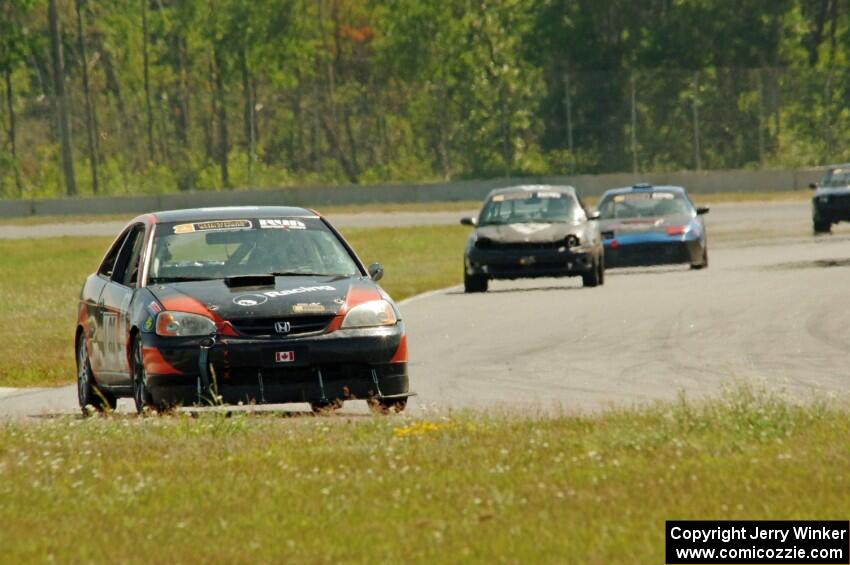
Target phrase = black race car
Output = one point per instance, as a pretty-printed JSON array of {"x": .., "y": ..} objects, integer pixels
[
  {"x": 532, "y": 231},
  {"x": 831, "y": 201},
  {"x": 229, "y": 305}
]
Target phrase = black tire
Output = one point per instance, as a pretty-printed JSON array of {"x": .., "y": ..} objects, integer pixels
[
  {"x": 600, "y": 266},
  {"x": 820, "y": 226},
  {"x": 596, "y": 276},
  {"x": 141, "y": 395},
  {"x": 88, "y": 393},
  {"x": 387, "y": 406},
  {"x": 704, "y": 264},
  {"x": 474, "y": 283},
  {"x": 326, "y": 408}
]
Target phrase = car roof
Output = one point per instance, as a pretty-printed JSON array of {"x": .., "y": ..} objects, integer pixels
[
  {"x": 562, "y": 188},
  {"x": 231, "y": 213},
  {"x": 645, "y": 187},
  {"x": 832, "y": 168}
]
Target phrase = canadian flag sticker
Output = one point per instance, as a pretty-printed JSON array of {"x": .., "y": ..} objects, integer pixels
[{"x": 284, "y": 356}]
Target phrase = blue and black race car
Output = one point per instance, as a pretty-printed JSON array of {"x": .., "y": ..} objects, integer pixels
[{"x": 652, "y": 225}]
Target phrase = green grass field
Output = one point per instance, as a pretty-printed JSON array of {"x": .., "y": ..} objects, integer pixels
[
  {"x": 40, "y": 281},
  {"x": 452, "y": 487}
]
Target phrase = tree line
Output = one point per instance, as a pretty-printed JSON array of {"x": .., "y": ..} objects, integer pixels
[{"x": 130, "y": 96}]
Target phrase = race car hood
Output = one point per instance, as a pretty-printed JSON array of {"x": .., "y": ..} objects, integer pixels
[
  {"x": 642, "y": 225},
  {"x": 529, "y": 232},
  {"x": 288, "y": 296}
]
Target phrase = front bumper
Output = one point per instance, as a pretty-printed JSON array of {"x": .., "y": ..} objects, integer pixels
[
  {"x": 344, "y": 364},
  {"x": 528, "y": 263},
  {"x": 641, "y": 254},
  {"x": 831, "y": 208}
]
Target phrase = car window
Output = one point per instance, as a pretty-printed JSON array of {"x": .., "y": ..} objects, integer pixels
[
  {"x": 210, "y": 250},
  {"x": 127, "y": 265},
  {"x": 108, "y": 264},
  {"x": 837, "y": 177},
  {"x": 645, "y": 205},
  {"x": 542, "y": 206}
]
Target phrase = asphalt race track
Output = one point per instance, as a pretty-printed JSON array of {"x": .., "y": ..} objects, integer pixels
[
  {"x": 771, "y": 308},
  {"x": 774, "y": 314}
]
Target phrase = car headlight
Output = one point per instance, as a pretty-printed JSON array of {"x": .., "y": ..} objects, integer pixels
[
  {"x": 370, "y": 314},
  {"x": 183, "y": 324}
]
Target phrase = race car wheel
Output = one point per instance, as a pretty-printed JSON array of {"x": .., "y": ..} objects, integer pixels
[
  {"x": 326, "y": 408},
  {"x": 88, "y": 393},
  {"x": 387, "y": 406},
  {"x": 474, "y": 283},
  {"x": 141, "y": 395},
  {"x": 821, "y": 227},
  {"x": 596, "y": 276},
  {"x": 704, "y": 264}
]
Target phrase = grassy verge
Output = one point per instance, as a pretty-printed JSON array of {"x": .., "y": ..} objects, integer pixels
[
  {"x": 459, "y": 206},
  {"x": 40, "y": 281},
  {"x": 458, "y": 487},
  {"x": 723, "y": 197},
  {"x": 415, "y": 259}
]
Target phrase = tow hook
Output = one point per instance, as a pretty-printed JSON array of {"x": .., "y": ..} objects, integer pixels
[
  {"x": 204, "y": 392},
  {"x": 324, "y": 398}
]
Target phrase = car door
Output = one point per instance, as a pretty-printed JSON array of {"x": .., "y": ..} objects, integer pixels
[
  {"x": 114, "y": 307},
  {"x": 97, "y": 336}
]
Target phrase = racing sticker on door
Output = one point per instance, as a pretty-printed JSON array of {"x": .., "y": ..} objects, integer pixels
[{"x": 110, "y": 333}]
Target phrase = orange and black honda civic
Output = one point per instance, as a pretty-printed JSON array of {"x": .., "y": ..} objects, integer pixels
[{"x": 243, "y": 304}]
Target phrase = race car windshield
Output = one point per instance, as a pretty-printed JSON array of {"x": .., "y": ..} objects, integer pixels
[
  {"x": 234, "y": 248},
  {"x": 838, "y": 177},
  {"x": 530, "y": 208},
  {"x": 645, "y": 205}
]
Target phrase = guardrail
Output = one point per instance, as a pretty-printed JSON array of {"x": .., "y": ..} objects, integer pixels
[{"x": 318, "y": 196}]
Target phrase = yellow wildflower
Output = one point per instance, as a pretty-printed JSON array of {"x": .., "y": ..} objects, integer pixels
[{"x": 420, "y": 429}]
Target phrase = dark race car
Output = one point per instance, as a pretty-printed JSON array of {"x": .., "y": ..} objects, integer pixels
[
  {"x": 229, "y": 305},
  {"x": 532, "y": 231},
  {"x": 831, "y": 201},
  {"x": 652, "y": 225}
]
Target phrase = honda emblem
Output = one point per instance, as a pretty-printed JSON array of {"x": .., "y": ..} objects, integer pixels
[{"x": 282, "y": 327}]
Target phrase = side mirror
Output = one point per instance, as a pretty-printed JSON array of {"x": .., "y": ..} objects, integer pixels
[
  {"x": 468, "y": 221},
  {"x": 376, "y": 271},
  {"x": 702, "y": 210},
  {"x": 593, "y": 215},
  {"x": 813, "y": 185}
]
